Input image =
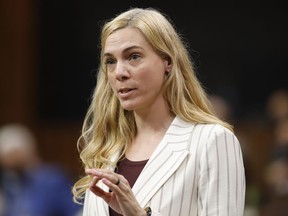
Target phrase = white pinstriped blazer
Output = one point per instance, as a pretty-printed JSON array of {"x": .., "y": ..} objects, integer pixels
[{"x": 196, "y": 170}]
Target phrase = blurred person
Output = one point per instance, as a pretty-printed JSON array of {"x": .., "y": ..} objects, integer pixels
[
  {"x": 277, "y": 115},
  {"x": 276, "y": 180},
  {"x": 275, "y": 200},
  {"x": 30, "y": 186},
  {"x": 281, "y": 132},
  {"x": 277, "y": 112},
  {"x": 277, "y": 171},
  {"x": 151, "y": 144},
  {"x": 276, "y": 176},
  {"x": 277, "y": 105}
]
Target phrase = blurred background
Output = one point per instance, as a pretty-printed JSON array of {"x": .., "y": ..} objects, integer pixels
[{"x": 48, "y": 61}]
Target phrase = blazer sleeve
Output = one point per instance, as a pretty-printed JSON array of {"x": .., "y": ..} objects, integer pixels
[{"x": 222, "y": 175}]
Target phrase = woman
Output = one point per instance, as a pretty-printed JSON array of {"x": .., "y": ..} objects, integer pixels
[{"x": 151, "y": 143}]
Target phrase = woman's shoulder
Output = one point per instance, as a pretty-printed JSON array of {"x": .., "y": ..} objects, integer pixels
[{"x": 218, "y": 128}]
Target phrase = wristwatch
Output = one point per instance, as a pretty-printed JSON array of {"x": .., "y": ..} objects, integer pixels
[{"x": 148, "y": 211}]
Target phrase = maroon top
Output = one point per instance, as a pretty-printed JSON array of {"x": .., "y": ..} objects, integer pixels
[{"x": 130, "y": 170}]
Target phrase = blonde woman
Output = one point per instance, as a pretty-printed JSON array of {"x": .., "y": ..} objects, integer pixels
[{"x": 151, "y": 143}]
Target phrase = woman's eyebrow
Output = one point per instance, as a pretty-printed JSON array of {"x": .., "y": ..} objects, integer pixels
[{"x": 124, "y": 50}]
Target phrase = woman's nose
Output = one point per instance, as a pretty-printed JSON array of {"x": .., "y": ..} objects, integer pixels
[{"x": 121, "y": 72}]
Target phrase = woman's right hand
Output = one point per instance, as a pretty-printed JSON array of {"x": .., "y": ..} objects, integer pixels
[{"x": 120, "y": 197}]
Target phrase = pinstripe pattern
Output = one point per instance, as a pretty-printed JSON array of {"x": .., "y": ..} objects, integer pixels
[
  {"x": 218, "y": 176},
  {"x": 196, "y": 170}
]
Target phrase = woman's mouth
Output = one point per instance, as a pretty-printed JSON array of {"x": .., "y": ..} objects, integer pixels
[{"x": 125, "y": 92}]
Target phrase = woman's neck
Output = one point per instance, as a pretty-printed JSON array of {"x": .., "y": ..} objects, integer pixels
[{"x": 150, "y": 132}]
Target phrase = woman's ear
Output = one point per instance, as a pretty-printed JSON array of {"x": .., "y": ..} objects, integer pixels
[{"x": 168, "y": 64}]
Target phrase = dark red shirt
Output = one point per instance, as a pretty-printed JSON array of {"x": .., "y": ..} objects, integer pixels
[{"x": 130, "y": 170}]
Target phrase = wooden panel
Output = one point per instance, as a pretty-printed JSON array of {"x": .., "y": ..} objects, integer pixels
[{"x": 17, "y": 60}]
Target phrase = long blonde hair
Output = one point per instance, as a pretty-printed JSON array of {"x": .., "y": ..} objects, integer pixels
[{"x": 107, "y": 127}]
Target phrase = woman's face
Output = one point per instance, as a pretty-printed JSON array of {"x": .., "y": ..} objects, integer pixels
[{"x": 135, "y": 72}]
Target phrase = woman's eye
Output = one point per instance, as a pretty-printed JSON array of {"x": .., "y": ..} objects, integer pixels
[
  {"x": 109, "y": 61},
  {"x": 134, "y": 56}
]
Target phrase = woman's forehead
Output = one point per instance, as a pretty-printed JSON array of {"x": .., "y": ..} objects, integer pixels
[{"x": 123, "y": 39}]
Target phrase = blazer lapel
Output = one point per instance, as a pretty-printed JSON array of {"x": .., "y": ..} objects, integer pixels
[
  {"x": 167, "y": 157},
  {"x": 165, "y": 160}
]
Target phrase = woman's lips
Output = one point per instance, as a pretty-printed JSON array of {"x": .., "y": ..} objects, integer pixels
[{"x": 125, "y": 92}]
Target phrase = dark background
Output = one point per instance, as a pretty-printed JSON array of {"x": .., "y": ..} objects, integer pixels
[{"x": 239, "y": 48}]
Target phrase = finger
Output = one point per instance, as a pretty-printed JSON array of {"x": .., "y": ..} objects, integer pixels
[
  {"x": 109, "y": 177},
  {"x": 88, "y": 171},
  {"x": 118, "y": 182},
  {"x": 101, "y": 193},
  {"x": 107, "y": 174},
  {"x": 94, "y": 181}
]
